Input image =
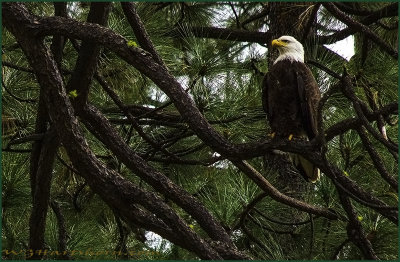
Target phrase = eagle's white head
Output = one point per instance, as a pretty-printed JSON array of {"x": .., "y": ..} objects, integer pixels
[{"x": 289, "y": 48}]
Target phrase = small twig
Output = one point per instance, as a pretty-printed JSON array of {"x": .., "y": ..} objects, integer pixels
[
  {"x": 354, "y": 122},
  {"x": 353, "y": 11},
  {"x": 281, "y": 232},
  {"x": 75, "y": 196},
  {"x": 254, "y": 17},
  {"x": 71, "y": 168},
  {"x": 140, "y": 31},
  {"x": 389, "y": 28},
  {"x": 312, "y": 239},
  {"x": 131, "y": 118},
  {"x": 277, "y": 195},
  {"x": 16, "y": 67}
]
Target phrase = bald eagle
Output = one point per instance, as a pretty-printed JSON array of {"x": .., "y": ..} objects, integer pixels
[{"x": 290, "y": 98}]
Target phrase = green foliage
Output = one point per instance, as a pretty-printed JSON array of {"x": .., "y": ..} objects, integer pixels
[{"x": 221, "y": 76}]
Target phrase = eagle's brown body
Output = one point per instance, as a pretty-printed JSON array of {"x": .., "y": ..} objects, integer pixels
[{"x": 290, "y": 99}]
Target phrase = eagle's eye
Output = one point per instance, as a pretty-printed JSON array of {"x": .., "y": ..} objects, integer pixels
[{"x": 285, "y": 41}]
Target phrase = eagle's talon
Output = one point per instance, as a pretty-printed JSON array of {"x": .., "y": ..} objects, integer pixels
[
  {"x": 272, "y": 135},
  {"x": 290, "y": 137}
]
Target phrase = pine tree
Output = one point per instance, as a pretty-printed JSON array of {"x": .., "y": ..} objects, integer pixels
[{"x": 126, "y": 120}]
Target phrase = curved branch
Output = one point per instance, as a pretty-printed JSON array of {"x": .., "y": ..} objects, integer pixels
[{"x": 278, "y": 196}]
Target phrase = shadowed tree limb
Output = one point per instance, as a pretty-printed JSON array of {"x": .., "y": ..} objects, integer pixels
[
  {"x": 102, "y": 129},
  {"x": 355, "y": 122},
  {"x": 41, "y": 192},
  {"x": 278, "y": 196},
  {"x": 62, "y": 231},
  {"x": 88, "y": 56}
]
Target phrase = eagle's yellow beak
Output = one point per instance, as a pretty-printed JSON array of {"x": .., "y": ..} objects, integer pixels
[{"x": 277, "y": 43}]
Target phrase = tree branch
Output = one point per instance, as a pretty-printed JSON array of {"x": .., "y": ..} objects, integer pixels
[
  {"x": 62, "y": 231},
  {"x": 377, "y": 160},
  {"x": 355, "y": 122},
  {"x": 387, "y": 11},
  {"x": 139, "y": 30},
  {"x": 354, "y": 229},
  {"x": 348, "y": 91},
  {"x": 359, "y": 27},
  {"x": 89, "y": 52},
  {"x": 278, "y": 196},
  {"x": 223, "y": 34},
  {"x": 41, "y": 192},
  {"x": 100, "y": 127}
]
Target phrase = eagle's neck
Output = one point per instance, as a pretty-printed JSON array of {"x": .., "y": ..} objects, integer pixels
[{"x": 292, "y": 56}]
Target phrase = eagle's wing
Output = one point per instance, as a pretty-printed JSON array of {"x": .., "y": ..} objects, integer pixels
[{"x": 309, "y": 96}]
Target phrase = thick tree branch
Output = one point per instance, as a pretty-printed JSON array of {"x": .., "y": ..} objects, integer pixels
[
  {"x": 41, "y": 192},
  {"x": 89, "y": 52},
  {"x": 223, "y": 34},
  {"x": 58, "y": 42},
  {"x": 102, "y": 129}
]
